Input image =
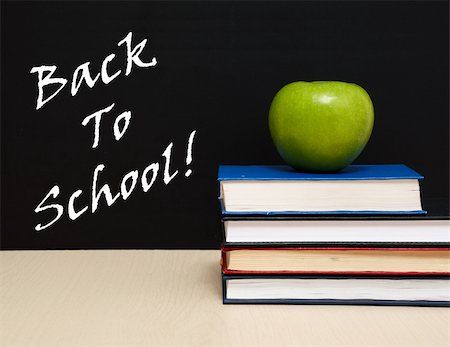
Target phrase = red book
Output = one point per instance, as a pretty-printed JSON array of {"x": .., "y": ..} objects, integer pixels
[{"x": 327, "y": 260}]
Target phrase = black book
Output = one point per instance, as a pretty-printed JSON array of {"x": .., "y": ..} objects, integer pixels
[{"x": 430, "y": 230}]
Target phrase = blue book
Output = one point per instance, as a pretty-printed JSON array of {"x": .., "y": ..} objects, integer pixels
[
  {"x": 336, "y": 290},
  {"x": 280, "y": 190}
]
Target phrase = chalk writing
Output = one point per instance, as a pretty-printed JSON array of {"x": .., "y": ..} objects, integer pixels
[
  {"x": 83, "y": 74},
  {"x": 126, "y": 187},
  {"x": 51, "y": 204}
]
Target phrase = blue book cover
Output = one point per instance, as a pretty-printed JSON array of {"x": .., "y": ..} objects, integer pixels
[
  {"x": 366, "y": 302},
  {"x": 284, "y": 172}
]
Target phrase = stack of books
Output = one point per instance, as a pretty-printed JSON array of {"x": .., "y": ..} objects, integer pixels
[{"x": 358, "y": 236}]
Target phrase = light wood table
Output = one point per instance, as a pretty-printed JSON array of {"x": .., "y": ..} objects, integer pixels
[{"x": 158, "y": 297}]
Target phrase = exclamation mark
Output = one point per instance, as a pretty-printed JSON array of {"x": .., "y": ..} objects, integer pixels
[{"x": 189, "y": 153}]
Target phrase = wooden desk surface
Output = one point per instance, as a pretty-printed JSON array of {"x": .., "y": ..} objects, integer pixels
[{"x": 156, "y": 297}]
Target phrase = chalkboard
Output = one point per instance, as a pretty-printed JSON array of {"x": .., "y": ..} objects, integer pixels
[{"x": 176, "y": 88}]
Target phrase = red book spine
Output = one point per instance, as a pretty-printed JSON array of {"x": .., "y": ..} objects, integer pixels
[{"x": 227, "y": 271}]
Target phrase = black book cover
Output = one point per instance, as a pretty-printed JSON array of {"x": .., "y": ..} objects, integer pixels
[{"x": 438, "y": 209}]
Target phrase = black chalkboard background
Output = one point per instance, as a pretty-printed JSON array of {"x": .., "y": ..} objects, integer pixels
[{"x": 219, "y": 65}]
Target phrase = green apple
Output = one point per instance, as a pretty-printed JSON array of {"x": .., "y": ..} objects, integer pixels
[{"x": 322, "y": 125}]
